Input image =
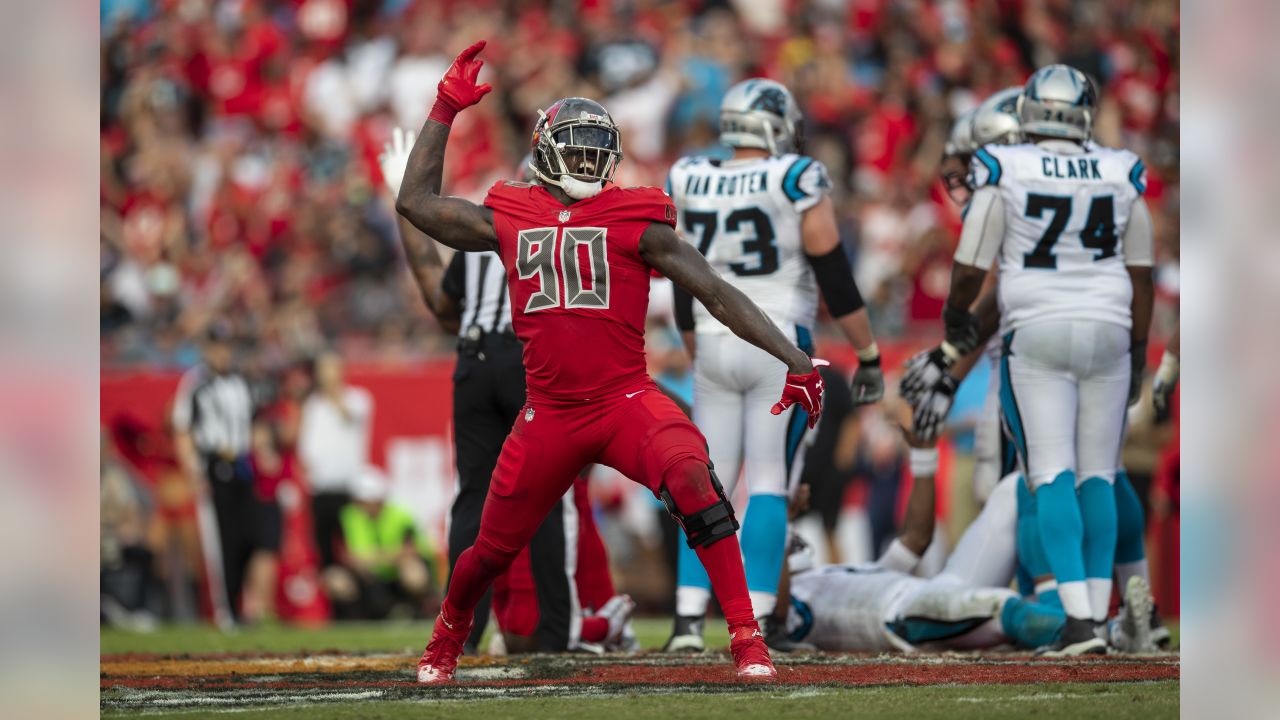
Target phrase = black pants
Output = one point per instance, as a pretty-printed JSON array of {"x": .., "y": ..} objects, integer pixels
[
  {"x": 129, "y": 580},
  {"x": 375, "y": 599},
  {"x": 326, "y": 512},
  {"x": 239, "y": 517},
  {"x": 488, "y": 394}
]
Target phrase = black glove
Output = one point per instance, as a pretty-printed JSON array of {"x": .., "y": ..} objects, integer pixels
[
  {"x": 868, "y": 383},
  {"x": 1137, "y": 369},
  {"x": 931, "y": 414},
  {"x": 775, "y": 636},
  {"x": 961, "y": 330},
  {"x": 922, "y": 372}
]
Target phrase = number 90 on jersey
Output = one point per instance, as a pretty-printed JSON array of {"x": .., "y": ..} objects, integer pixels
[{"x": 583, "y": 258}]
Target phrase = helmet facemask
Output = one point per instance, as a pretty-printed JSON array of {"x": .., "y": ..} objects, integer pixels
[
  {"x": 954, "y": 169},
  {"x": 578, "y": 155},
  {"x": 955, "y": 177}
]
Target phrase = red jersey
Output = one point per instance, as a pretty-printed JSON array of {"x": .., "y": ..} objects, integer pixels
[{"x": 579, "y": 288}]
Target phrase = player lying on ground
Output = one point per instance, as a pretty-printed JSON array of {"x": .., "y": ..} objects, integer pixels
[
  {"x": 578, "y": 256},
  {"x": 765, "y": 220},
  {"x": 1005, "y": 536},
  {"x": 881, "y": 606}
]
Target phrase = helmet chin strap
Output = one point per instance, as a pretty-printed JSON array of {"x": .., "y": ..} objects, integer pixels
[
  {"x": 578, "y": 189},
  {"x": 572, "y": 186}
]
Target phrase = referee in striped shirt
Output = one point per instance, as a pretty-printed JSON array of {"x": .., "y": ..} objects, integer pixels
[
  {"x": 469, "y": 297},
  {"x": 213, "y": 422}
]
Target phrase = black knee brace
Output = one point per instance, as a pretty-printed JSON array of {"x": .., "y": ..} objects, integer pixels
[{"x": 709, "y": 524}]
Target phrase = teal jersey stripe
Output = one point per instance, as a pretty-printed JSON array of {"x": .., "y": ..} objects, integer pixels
[
  {"x": 992, "y": 164},
  {"x": 1009, "y": 403},
  {"x": 791, "y": 181},
  {"x": 795, "y": 433},
  {"x": 1135, "y": 177},
  {"x": 804, "y": 340},
  {"x": 917, "y": 630}
]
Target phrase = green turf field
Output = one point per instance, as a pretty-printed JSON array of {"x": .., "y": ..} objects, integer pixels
[
  {"x": 991, "y": 702},
  {"x": 285, "y": 672}
]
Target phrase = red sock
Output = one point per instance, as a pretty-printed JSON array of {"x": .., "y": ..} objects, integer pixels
[
  {"x": 453, "y": 622},
  {"x": 723, "y": 561},
  {"x": 472, "y": 576},
  {"x": 594, "y": 629}
]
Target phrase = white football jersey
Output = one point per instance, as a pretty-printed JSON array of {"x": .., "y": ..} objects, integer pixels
[
  {"x": 847, "y": 607},
  {"x": 1064, "y": 215},
  {"x": 744, "y": 216}
]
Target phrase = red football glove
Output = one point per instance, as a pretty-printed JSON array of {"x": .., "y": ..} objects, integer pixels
[
  {"x": 457, "y": 89},
  {"x": 805, "y": 390}
]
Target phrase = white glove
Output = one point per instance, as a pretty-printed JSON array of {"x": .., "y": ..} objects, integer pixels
[
  {"x": 395, "y": 158},
  {"x": 922, "y": 372},
  {"x": 1163, "y": 385},
  {"x": 933, "y": 408}
]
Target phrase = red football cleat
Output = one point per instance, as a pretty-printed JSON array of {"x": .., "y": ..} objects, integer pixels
[
  {"x": 750, "y": 653},
  {"x": 440, "y": 659}
]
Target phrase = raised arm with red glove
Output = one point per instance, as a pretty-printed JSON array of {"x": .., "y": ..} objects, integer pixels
[
  {"x": 458, "y": 223},
  {"x": 458, "y": 89}
]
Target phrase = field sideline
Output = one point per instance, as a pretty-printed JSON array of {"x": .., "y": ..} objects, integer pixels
[{"x": 365, "y": 670}]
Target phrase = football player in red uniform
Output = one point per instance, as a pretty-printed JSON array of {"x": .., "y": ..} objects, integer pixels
[{"x": 578, "y": 252}]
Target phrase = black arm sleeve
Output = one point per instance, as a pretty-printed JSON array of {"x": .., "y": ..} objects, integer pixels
[
  {"x": 454, "y": 283},
  {"x": 835, "y": 279},
  {"x": 683, "y": 308}
]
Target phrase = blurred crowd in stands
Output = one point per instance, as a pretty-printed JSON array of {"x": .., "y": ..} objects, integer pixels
[
  {"x": 240, "y": 183},
  {"x": 239, "y": 137}
]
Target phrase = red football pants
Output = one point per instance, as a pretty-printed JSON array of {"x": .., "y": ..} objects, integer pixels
[{"x": 644, "y": 436}]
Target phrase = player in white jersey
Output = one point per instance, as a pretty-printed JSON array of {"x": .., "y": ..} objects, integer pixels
[
  {"x": 985, "y": 554},
  {"x": 765, "y": 220},
  {"x": 1066, "y": 220}
]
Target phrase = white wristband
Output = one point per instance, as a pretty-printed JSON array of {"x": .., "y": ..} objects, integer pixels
[
  {"x": 924, "y": 461},
  {"x": 870, "y": 352}
]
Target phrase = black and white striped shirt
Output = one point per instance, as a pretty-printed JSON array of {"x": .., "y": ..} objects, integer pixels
[
  {"x": 216, "y": 409},
  {"x": 478, "y": 282}
]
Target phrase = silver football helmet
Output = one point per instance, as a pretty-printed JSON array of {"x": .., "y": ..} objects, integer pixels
[
  {"x": 759, "y": 113},
  {"x": 954, "y": 169},
  {"x": 960, "y": 141},
  {"x": 1058, "y": 101},
  {"x": 575, "y": 146},
  {"x": 996, "y": 119}
]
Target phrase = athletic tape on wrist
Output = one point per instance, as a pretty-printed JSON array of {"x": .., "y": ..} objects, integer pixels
[
  {"x": 443, "y": 113},
  {"x": 870, "y": 352},
  {"x": 924, "y": 461},
  {"x": 950, "y": 351}
]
